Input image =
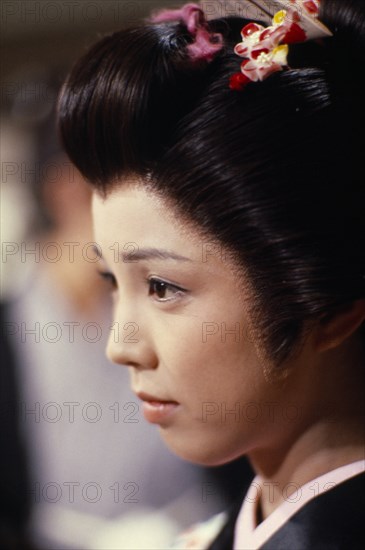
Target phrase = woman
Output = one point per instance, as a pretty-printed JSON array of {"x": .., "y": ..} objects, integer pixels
[{"x": 228, "y": 213}]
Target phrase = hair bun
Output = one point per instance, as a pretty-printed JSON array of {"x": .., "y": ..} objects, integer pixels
[{"x": 346, "y": 49}]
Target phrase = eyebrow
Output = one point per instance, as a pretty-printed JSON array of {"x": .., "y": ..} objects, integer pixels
[{"x": 140, "y": 254}]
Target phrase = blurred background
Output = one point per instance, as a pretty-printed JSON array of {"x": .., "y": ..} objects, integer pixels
[
  {"x": 40, "y": 40},
  {"x": 79, "y": 466}
]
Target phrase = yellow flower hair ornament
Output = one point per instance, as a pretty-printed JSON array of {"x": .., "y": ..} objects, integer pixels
[{"x": 266, "y": 49}]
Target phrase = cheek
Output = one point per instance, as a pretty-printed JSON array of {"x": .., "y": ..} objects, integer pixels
[
  {"x": 218, "y": 381},
  {"x": 204, "y": 364}
]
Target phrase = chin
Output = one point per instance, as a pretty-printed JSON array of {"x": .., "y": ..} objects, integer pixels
[{"x": 194, "y": 449}]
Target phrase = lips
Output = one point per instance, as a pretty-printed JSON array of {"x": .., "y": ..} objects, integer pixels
[
  {"x": 153, "y": 399},
  {"x": 155, "y": 409}
]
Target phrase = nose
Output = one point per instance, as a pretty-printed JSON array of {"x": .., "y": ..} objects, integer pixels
[{"x": 128, "y": 342}]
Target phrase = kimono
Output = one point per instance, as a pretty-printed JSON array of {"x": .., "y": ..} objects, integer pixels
[{"x": 332, "y": 519}]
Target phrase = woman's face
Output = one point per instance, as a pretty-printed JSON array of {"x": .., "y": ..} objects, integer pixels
[{"x": 181, "y": 326}]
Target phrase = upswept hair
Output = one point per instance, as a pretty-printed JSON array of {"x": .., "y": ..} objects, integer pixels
[{"x": 275, "y": 173}]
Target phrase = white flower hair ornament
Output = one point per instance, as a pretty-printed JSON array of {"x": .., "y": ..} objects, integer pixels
[{"x": 265, "y": 49}]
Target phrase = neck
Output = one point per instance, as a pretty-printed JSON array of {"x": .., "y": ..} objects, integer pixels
[
  {"x": 304, "y": 461},
  {"x": 329, "y": 435}
]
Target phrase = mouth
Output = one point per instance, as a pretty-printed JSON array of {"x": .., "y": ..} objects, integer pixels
[{"x": 156, "y": 410}]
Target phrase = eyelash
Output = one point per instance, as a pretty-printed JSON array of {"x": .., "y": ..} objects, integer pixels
[{"x": 152, "y": 282}]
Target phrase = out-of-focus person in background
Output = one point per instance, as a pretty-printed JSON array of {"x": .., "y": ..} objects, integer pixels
[{"x": 96, "y": 472}]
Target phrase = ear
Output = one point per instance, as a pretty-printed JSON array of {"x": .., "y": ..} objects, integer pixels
[{"x": 336, "y": 328}]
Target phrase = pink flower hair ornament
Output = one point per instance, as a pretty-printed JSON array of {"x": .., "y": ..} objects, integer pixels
[
  {"x": 205, "y": 44},
  {"x": 266, "y": 49}
]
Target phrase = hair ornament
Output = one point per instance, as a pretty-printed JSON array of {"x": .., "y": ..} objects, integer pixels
[
  {"x": 205, "y": 43},
  {"x": 265, "y": 49}
]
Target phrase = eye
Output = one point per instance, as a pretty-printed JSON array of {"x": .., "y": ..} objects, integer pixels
[
  {"x": 109, "y": 278},
  {"x": 163, "y": 291}
]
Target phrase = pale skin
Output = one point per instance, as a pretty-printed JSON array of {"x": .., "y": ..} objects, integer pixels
[{"x": 293, "y": 428}]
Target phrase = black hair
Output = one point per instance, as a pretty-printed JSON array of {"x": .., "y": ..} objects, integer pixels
[{"x": 274, "y": 172}]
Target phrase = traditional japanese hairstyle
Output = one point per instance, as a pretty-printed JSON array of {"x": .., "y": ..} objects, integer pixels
[{"x": 274, "y": 173}]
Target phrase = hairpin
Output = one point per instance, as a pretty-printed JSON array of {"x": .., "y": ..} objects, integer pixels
[
  {"x": 266, "y": 49},
  {"x": 206, "y": 44}
]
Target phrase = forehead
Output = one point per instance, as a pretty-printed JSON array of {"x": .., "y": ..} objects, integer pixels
[
  {"x": 130, "y": 213},
  {"x": 133, "y": 219}
]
